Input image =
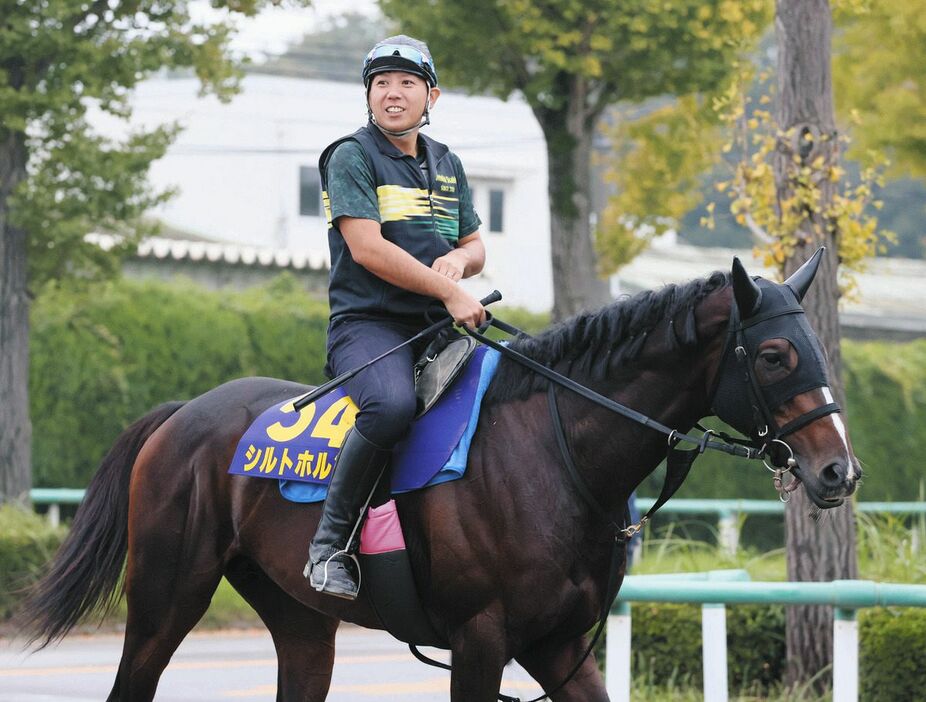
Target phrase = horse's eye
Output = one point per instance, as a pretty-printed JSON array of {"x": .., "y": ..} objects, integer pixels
[{"x": 771, "y": 358}]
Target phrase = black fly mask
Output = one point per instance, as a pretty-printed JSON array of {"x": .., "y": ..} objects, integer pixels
[{"x": 765, "y": 310}]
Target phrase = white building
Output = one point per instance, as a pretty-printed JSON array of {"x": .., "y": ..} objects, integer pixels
[
  {"x": 247, "y": 171},
  {"x": 248, "y": 179}
]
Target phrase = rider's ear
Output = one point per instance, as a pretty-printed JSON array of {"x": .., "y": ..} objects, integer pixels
[
  {"x": 746, "y": 291},
  {"x": 800, "y": 280}
]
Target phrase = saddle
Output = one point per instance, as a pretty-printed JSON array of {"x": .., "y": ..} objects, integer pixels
[{"x": 440, "y": 364}]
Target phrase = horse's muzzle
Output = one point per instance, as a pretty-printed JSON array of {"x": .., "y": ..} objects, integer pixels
[{"x": 830, "y": 486}]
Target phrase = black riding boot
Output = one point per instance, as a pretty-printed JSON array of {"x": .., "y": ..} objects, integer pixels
[{"x": 331, "y": 568}]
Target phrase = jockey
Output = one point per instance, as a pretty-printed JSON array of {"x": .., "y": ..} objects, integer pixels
[{"x": 402, "y": 233}]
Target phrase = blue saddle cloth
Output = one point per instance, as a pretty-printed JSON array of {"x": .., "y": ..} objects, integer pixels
[{"x": 299, "y": 449}]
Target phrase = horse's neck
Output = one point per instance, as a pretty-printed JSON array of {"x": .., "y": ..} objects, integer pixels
[{"x": 615, "y": 454}]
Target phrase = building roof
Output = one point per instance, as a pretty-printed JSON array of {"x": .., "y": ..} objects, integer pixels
[
  {"x": 889, "y": 296},
  {"x": 159, "y": 248}
]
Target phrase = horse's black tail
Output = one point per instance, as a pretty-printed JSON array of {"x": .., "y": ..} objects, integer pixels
[{"x": 84, "y": 574}]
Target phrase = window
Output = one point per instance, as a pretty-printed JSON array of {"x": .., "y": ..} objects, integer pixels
[
  {"x": 310, "y": 192},
  {"x": 496, "y": 210}
]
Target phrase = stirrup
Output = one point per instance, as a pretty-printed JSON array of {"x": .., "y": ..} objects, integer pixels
[{"x": 311, "y": 569}]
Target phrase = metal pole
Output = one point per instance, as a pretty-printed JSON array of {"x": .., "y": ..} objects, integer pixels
[
  {"x": 845, "y": 655},
  {"x": 617, "y": 653},
  {"x": 727, "y": 531},
  {"x": 714, "y": 646}
]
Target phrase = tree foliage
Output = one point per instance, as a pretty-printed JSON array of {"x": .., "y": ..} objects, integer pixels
[
  {"x": 775, "y": 222},
  {"x": 58, "y": 60},
  {"x": 879, "y": 90},
  {"x": 878, "y": 59},
  {"x": 657, "y": 170},
  {"x": 630, "y": 50},
  {"x": 571, "y": 59}
]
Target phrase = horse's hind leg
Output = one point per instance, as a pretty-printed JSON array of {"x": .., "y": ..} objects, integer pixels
[
  {"x": 160, "y": 614},
  {"x": 174, "y": 564},
  {"x": 304, "y": 638}
]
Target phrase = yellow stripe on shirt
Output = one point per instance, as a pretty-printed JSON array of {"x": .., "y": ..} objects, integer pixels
[{"x": 397, "y": 203}]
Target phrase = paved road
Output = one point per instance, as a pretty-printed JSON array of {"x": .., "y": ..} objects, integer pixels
[{"x": 371, "y": 666}]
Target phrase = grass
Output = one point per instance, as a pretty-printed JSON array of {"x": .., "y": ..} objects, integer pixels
[
  {"x": 643, "y": 689},
  {"x": 675, "y": 554},
  {"x": 891, "y": 548}
]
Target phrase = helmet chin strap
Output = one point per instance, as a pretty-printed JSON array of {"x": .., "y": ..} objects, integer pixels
[{"x": 425, "y": 120}]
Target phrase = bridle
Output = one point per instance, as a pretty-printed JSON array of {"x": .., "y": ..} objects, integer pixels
[
  {"x": 735, "y": 377},
  {"x": 737, "y": 371},
  {"x": 767, "y": 443}
]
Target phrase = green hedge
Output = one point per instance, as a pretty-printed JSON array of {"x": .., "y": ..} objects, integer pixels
[
  {"x": 27, "y": 542},
  {"x": 666, "y": 641},
  {"x": 892, "y": 654},
  {"x": 667, "y": 649},
  {"x": 104, "y": 357}
]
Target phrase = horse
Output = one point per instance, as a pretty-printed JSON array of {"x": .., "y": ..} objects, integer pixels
[{"x": 510, "y": 561}]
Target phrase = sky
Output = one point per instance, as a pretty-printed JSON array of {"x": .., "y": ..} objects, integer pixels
[{"x": 275, "y": 28}]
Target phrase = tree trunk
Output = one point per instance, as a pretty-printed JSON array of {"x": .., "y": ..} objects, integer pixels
[
  {"x": 820, "y": 547},
  {"x": 15, "y": 428},
  {"x": 568, "y": 132}
]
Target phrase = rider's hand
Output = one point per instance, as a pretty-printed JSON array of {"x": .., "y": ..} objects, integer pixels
[
  {"x": 466, "y": 310},
  {"x": 452, "y": 265}
]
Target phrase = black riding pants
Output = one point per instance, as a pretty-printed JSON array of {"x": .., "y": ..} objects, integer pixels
[{"x": 384, "y": 392}]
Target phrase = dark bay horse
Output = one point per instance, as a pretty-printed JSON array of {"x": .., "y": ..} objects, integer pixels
[{"x": 510, "y": 561}]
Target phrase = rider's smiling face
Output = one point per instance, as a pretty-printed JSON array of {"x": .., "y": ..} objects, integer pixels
[{"x": 398, "y": 99}]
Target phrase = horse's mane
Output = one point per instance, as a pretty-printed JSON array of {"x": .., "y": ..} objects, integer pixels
[{"x": 595, "y": 343}]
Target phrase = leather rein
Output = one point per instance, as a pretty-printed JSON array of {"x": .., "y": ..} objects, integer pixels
[{"x": 678, "y": 461}]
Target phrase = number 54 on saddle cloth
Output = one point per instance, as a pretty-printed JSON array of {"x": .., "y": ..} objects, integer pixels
[{"x": 299, "y": 448}]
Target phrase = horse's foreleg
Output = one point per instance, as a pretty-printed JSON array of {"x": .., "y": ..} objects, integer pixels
[
  {"x": 303, "y": 638},
  {"x": 550, "y": 663},
  {"x": 478, "y": 659}
]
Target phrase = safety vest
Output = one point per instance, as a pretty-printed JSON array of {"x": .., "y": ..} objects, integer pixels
[{"x": 420, "y": 215}]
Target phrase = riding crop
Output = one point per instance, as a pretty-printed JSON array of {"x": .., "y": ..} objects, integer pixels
[{"x": 305, "y": 400}]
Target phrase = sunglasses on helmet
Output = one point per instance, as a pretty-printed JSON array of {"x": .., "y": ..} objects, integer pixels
[{"x": 404, "y": 51}]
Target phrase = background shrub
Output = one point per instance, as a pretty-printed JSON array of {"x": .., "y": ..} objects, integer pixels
[
  {"x": 27, "y": 542},
  {"x": 666, "y": 645},
  {"x": 104, "y": 356},
  {"x": 892, "y": 654},
  {"x": 101, "y": 357}
]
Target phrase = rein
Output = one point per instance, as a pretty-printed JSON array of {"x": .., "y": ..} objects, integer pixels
[
  {"x": 678, "y": 464},
  {"x": 678, "y": 461},
  {"x": 674, "y": 436}
]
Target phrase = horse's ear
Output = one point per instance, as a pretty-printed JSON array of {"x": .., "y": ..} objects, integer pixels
[
  {"x": 746, "y": 291},
  {"x": 800, "y": 280}
]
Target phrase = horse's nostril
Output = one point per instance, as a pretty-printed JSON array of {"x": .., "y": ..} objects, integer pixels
[{"x": 833, "y": 475}]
